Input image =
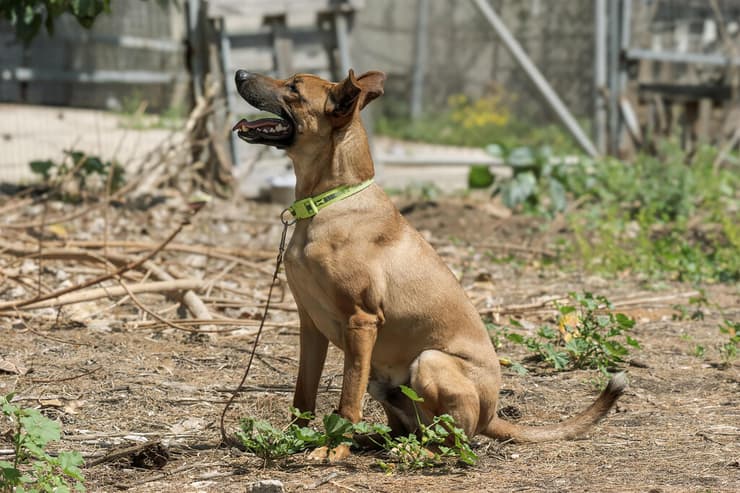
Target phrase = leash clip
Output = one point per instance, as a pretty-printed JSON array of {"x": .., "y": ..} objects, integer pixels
[{"x": 288, "y": 222}]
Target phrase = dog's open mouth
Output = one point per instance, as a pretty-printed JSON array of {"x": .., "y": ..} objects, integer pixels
[{"x": 272, "y": 131}]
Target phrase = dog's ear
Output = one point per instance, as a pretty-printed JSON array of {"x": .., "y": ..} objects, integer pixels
[
  {"x": 353, "y": 94},
  {"x": 372, "y": 86}
]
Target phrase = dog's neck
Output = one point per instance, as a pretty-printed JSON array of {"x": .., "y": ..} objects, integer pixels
[{"x": 345, "y": 161}]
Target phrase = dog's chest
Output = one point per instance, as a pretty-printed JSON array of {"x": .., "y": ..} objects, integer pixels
[{"x": 313, "y": 266}]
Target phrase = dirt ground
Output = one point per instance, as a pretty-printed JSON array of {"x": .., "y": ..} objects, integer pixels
[{"x": 116, "y": 377}]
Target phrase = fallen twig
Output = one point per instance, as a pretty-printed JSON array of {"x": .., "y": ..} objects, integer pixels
[
  {"x": 132, "y": 265},
  {"x": 69, "y": 298}
]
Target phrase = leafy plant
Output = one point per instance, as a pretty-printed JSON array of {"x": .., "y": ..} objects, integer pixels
[
  {"x": 436, "y": 442},
  {"x": 82, "y": 170},
  {"x": 669, "y": 215},
  {"x": 270, "y": 443},
  {"x": 587, "y": 336},
  {"x": 33, "y": 469},
  {"x": 695, "y": 310},
  {"x": 27, "y": 16},
  {"x": 536, "y": 184},
  {"x": 729, "y": 348}
]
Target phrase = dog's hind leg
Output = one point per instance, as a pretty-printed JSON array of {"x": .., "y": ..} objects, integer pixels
[
  {"x": 440, "y": 379},
  {"x": 398, "y": 408}
]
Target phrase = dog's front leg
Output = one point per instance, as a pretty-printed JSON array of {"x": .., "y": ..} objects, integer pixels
[
  {"x": 359, "y": 340},
  {"x": 313, "y": 346}
]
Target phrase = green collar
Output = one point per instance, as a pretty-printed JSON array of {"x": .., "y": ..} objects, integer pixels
[{"x": 309, "y": 207}]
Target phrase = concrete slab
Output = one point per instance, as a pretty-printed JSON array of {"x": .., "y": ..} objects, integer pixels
[{"x": 29, "y": 133}]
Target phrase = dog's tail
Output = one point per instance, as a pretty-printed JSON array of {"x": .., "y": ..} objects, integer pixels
[{"x": 568, "y": 429}]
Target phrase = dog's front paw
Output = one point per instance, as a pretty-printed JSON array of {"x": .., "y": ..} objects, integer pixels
[
  {"x": 339, "y": 453},
  {"x": 319, "y": 454},
  {"x": 336, "y": 454}
]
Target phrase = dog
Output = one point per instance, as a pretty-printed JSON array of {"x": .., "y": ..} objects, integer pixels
[{"x": 365, "y": 280}]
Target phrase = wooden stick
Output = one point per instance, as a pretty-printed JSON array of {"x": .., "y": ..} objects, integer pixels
[
  {"x": 69, "y": 298},
  {"x": 118, "y": 272},
  {"x": 154, "y": 314}
]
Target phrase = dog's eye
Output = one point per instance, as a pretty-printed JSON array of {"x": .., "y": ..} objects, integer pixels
[{"x": 293, "y": 87}]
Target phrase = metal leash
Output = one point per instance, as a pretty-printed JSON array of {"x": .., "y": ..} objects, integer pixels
[{"x": 281, "y": 250}]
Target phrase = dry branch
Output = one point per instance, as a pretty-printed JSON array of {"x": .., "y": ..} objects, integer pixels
[
  {"x": 118, "y": 272},
  {"x": 79, "y": 296}
]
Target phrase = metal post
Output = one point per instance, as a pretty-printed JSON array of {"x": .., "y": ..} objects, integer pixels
[
  {"x": 340, "y": 23},
  {"x": 225, "y": 59},
  {"x": 625, "y": 35},
  {"x": 536, "y": 77},
  {"x": 195, "y": 41},
  {"x": 614, "y": 90},
  {"x": 600, "y": 35},
  {"x": 420, "y": 62}
]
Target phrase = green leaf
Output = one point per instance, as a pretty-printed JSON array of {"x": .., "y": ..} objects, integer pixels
[
  {"x": 42, "y": 168},
  {"x": 40, "y": 429},
  {"x": 519, "y": 189},
  {"x": 558, "y": 359},
  {"x": 310, "y": 436},
  {"x": 70, "y": 462},
  {"x": 515, "y": 338},
  {"x": 633, "y": 342},
  {"x": 624, "y": 321},
  {"x": 9, "y": 474},
  {"x": 336, "y": 426},
  {"x": 566, "y": 309},
  {"x": 411, "y": 394},
  {"x": 557, "y": 195},
  {"x": 547, "y": 332},
  {"x": 480, "y": 177}
]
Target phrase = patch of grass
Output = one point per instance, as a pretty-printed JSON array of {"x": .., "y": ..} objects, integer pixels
[
  {"x": 134, "y": 116},
  {"x": 664, "y": 216},
  {"x": 472, "y": 122},
  {"x": 32, "y": 468},
  {"x": 588, "y": 335}
]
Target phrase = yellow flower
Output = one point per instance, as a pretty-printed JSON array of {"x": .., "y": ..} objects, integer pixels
[{"x": 568, "y": 321}]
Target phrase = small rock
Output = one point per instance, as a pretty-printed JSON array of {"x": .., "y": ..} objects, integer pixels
[{"x": 265, "y": 486}]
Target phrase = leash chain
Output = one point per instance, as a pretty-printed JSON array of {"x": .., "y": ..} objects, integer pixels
[{"x": 281, "y": 251}]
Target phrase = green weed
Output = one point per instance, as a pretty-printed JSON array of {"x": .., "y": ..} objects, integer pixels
[
  {"x": 589, "y": 335},
  {"x": 432, "y": 446},
  {"x": 729, "y": 348},
  {"x": 87, "y": 175},
  {"x": 662, "y": 216},
  {"x": 434, "y": 443},
  {"x": 33, "y": 469}
]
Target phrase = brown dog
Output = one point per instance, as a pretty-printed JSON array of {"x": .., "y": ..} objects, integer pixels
[{"x": 366, "y": 280}]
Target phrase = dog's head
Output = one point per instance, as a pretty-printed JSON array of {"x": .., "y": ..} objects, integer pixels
[{"x": 305, "y": 106}]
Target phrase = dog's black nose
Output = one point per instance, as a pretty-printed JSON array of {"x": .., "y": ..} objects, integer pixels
[{"x": 241, "y": 76}]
